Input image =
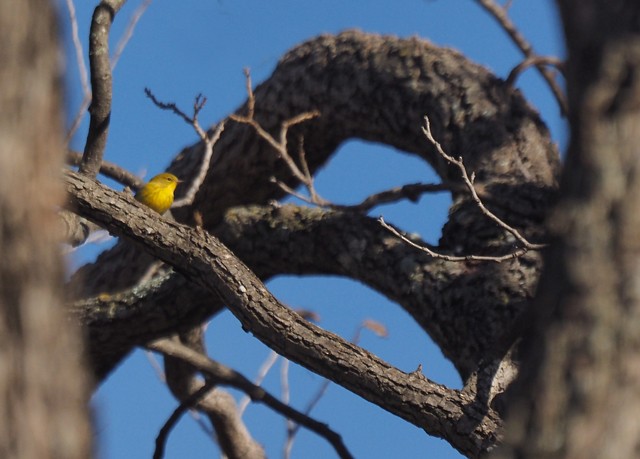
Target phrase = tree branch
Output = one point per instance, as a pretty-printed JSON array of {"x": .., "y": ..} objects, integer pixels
[
  {"x": 204, "y": 260},
  {"x": 500, "y": 15},
  {"x": 170, "y": 423},
  {"x": 109, "y": 169},
  {"x": 226, "y": 376},
  {"x": 101, "y": 84}
]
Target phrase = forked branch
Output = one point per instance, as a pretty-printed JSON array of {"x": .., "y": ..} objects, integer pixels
[
  {"x": 468, "y": 180},
  {"x": 209, "y": 141}
]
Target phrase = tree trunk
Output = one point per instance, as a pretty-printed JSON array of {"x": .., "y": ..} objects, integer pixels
[
  {"x": 578, "y": 395},
  {"x": 43, "y": 390}
]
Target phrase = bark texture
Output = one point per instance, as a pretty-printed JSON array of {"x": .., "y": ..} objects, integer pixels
[
  {"x": 468, "y": 424},
  {"x": 578, "y": 395},
  {"x": 374, "y": 88},
  {"x": 43, "y": 391}
]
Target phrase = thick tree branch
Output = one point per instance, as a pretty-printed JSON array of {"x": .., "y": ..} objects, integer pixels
[
  {"x": 299, "y": 240},
  {"x": 352, "y": 80},
  {"x": 205, "y": 261}
]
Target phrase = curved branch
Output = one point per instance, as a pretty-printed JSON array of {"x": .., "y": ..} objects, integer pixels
[
  {"x": 226, "y": 376},
  {"x": 183, "y": 379},
  {"x": 101, "y": 85},
  {"x": 205, "y": 261},
  {"x": 379, "y": 89},
  {"x": 300, "y": 240}
]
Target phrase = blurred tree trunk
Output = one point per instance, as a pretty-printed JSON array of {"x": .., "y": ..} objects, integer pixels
[
  {"x": 578, "y": 396},
  {"x": 43, "y": 390}
]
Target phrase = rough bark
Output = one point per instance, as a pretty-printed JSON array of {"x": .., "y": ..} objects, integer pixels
[
  {"x": 466, "y": 422},
  {"x": 578, "y": 395},
  {"x": 379, "y": 88},
  {"x": 43, "y": 390}
]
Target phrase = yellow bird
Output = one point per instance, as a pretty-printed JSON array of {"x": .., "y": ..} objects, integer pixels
[{"x": 158, "y": 192}]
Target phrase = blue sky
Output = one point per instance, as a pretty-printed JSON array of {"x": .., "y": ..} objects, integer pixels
[{"x": 180, "y": 49}]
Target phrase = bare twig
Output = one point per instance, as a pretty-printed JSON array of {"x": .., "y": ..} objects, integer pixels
[
  {"x": 82, "y": 69},
  {"x": 500, "y": 15},
  {"x": 469, "y": 183},
  {"x": 264, "y": 369},
  {"x": 209, "y": 142},
  {"x": 128, "y": 33},
  {"x": 303, "y": 173},
  {"x": 286, "y": 395},
  {"x": 280, "y": 146},
  {"x": 161, "y": 439},
  {"x": 251, "y": 101},
  {"x": 441, "y": 256},
  {"x": 226, "y": 376},
  {"x": 411, "y": 191},
  {"x": 198, "y": 104},
  {"x": 111, "y": 170},
  {"x": 153, "y": 361},
  {"x": 161, "y": 375},
  {"x": 272, "y": 358},
  {"x": 531, "y": 61},
  {"x": 86, "y": 100},
  {"x": 196, "y": 183}
]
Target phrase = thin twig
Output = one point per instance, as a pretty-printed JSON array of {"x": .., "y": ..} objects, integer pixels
[
  {"x": 82, "y": 69},
  {"x": 280, "y": 147},
  {"x": 251, "y": 101},
  {"x": 163, "y": 435},
  {"x": 82, "y": 110},
  {"x": 128, "y": 33},
  {"x": 226, "y": 376},
  {"x": 531, "y": 61},
  {"x": 317, "y": 201},
  {"x": 199, "y": 103},
  {"x": 411, "y": 191},
  {"x": 196, "y": 183},
  {"x": 441, "y": 256},
  {"x": 161, "y": 375},
  {"x": 209, "y": 142},
  {"x": 108, "y": 169},
  {"x": 302, "y": 173},
  {"x": 157, "y": 368},
  {"x": 263, "y": 371},
  {"x": 468, "y": 181},
  {"x": 285, "y": 397},
  {"x": 500, "y": 14},
  {"x": 472, "y": 190}
]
